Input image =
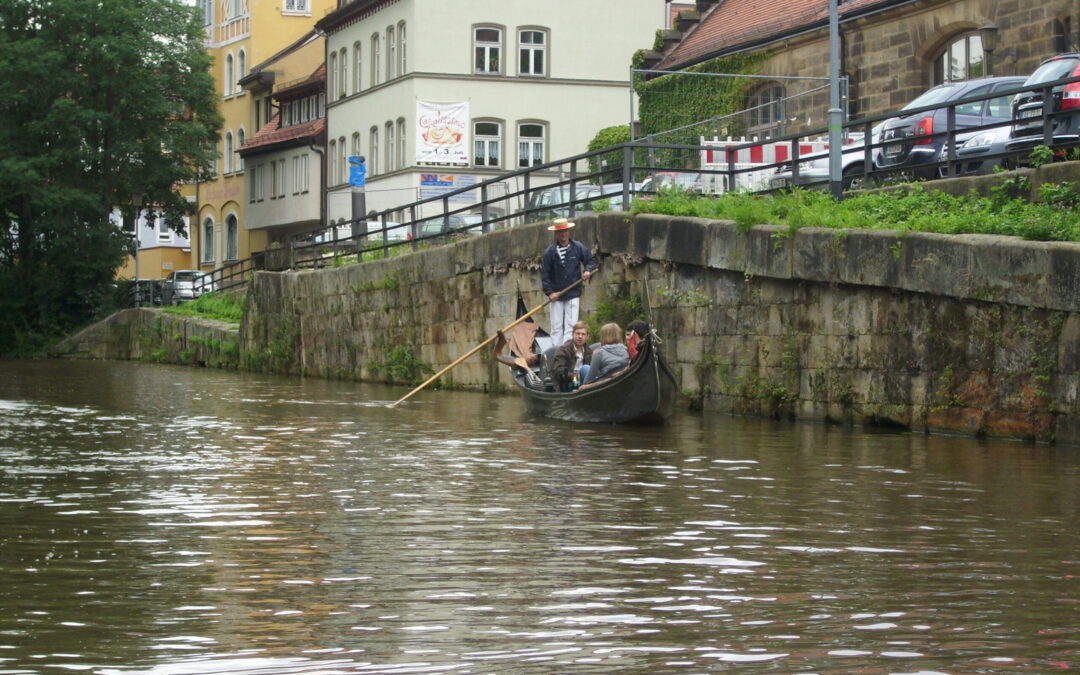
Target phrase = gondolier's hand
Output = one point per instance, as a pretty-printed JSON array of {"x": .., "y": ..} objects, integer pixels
[
  {"x": 553, "y": 297},
  {"x": 586, "y": 275}
]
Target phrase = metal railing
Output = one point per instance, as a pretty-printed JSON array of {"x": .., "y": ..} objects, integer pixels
[{"x": 563, "y": 188}]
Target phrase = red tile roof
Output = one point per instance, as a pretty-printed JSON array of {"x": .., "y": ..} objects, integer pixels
[
  {"x": 734, "y": 24},
  {"x": 271, "y": 135}
]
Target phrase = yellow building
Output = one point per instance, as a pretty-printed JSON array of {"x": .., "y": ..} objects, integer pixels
[{"x": 240, "y": 34}]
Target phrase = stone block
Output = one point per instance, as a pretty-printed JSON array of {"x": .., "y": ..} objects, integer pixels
[
  {"x": 728, "y": 247},
  {"x": 818, "y": 254},
  {"x": 872, "y": 257},
  {"x": 769, "y": 251}
]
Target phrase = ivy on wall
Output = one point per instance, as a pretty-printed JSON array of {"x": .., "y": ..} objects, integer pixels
[{"x": 672, "y": 101}]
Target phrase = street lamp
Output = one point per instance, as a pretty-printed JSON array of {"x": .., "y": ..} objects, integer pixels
[
  {"x": 988, "y": 34},
  {"x": 136, "y": 202}
]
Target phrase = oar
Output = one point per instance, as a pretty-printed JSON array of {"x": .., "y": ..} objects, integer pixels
[{"x": 484, "y": 344}]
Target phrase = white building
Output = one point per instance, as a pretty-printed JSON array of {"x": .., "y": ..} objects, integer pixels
[{"x": 512, "y": 83}]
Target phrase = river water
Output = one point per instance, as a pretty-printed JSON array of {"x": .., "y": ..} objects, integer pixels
[{"x": 172, "y": 521}]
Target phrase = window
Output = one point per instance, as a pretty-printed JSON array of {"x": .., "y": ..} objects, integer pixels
[
  {"x": 358, "y": 57},
  {"x": 331, "y": 72},
  {"x": 487, "y": 50},
  {"x": 295, "y": 7},
  {"x": 530, "y": 144},
  {"x": 231, "y": 237},
  {"x": 766, "y": 106},
  {"x": 228, "y": 152},
  {"x": 532, "y": 53},
  {"x": 487, "y": 142},
  {"x": 208, "y": 240},
  {"x": 343, "y": 161},
  {"x": 962, "y": 59},
  {"x": 373, "y": 151},
  {"x": 343, "y": 78},
  {"x": 273, "y": 180},
  {"x": 402, "y": 161},
  {"x": 164, "y": 234},
  {"x": 281, "y": 178},
  {"x": 241, "y": 70},
  {"x": 355, "y": 143},
  {"x": 401, "y": 48},
  {"x": 207, "y": 8},
  {"x": 376, "y": 61},
  {"x": 230, "y": 75},
  {"x": 391, "y": 53},
  {"x": 390, "y": 166},
  {"x": 239, "y": 144},
  {"x": 253, "y": 179},
  {"x": 300, "y": 174},
  {"x": 333, "y": 165}
]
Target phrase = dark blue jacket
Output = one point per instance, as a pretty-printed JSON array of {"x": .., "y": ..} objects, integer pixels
[{"x": 557, "y": 275}]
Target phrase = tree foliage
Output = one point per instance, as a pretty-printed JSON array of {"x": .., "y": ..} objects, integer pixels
[
  {"x": 102, "y": 99},
  {"x": 610, "y": 162}
]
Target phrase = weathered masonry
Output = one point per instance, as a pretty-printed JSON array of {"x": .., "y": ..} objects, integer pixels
[{"x": 972, "y": 334}]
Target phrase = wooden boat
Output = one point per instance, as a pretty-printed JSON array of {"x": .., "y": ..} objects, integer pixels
[{"x": 643, "y": 393}]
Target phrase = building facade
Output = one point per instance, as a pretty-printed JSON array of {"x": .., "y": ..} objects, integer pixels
[
  {"x": 891, "y": 50},
  {"x": 439, "y": 95},
  {"x": 239, "y": 34}
]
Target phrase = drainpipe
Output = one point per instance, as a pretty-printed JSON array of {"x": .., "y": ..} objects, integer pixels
[{"x": 322, "y": 180}]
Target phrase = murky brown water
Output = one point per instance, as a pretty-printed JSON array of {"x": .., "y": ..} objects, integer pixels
[{"x": 182, "y": 521}]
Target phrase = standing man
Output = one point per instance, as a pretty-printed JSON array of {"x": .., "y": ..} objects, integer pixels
[{"x": 561, "y": 267}]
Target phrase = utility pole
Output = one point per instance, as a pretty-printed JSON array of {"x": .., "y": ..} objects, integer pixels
[{"x": 836, "y": 114}]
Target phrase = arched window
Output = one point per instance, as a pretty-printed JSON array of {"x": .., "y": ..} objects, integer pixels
[
  {"x": 766, "y": 111},
  {"x": 241, "y": 69},
  {"x": 358, "y": 58},
  {"x": 401, "y": 48},
  {"x": 333, "y": 165},
  {"x": 961, "y": 59},
  {"x": 343, "y": 160},
  {"x": 391, "y": 53},
  {"x": 239, "y": 144},
  {"x": 373, "y": 152},
  {"x": 402, "y": 158},
  {"x": 208, "y": 240},
  {"x": 487, "y": 50},
  {"x": 390, "y": 166},
  {"x": 343, "y": 63},
  {"x": 228, "y": 152},
  {"x": 356, "y": 143},
  {"x": 376, "y": 60},
  {"x": 230, "y": 75},
  {"x": 332, "y": 72},
  {"x": 232, "y": 237}
]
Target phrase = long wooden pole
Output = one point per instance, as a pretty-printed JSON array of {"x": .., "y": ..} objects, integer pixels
[{"x": 484, "y": 344}]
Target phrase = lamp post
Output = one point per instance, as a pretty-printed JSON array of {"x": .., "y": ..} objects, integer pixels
[
  {"x": 136, "y": 203},
  {"x": 988, "y": 35}
]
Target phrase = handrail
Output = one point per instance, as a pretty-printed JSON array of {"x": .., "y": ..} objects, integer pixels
[{"x": 305, "y": 250}]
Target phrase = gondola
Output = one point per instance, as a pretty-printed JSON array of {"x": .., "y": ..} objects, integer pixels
[{"x": 643, "y": 393}]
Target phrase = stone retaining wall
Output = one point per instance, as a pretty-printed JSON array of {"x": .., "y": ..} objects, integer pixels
[{"x": 973, "y": 334}]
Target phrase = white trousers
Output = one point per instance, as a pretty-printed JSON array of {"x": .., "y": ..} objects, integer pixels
[{"x": 564, "y": 314}]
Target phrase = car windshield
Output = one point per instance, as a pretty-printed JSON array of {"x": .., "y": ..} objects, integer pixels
[
  {"x": 1057, "y": 69},
  {"x": 188, "y": 276},
  {"x": 931, "y": 96}
]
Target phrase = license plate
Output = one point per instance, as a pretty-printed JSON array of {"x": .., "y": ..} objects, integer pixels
[
  {"x": 1028, "y": 114},
  {"x": 894, "y": 149},
  {"x": 778, "y": 182}
]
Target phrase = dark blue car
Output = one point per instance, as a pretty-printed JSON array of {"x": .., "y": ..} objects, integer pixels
[{"x": 910, "y": 145}]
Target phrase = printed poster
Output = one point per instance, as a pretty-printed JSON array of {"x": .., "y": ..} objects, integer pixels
[
  {"x": 438, "y": 184},
  {"x": 442, "y": 133}
]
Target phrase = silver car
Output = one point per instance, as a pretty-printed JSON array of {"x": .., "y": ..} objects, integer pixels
[{"x": 184, "y": 285}]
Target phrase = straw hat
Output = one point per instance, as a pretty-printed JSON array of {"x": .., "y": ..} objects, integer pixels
[{"x": 560, "y": 224}]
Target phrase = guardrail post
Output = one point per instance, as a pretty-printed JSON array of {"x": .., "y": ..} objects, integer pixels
[
  {"x": 484, "y": 227},
  {"x": 950, "y": 141},
  {"x": 627, "y": 176},
  {"x": 573, "y": 189},
  {"x": 1047, "y": 111},
  {"x": 413, "y": 229},
  {"x": 795, "y": 161}
]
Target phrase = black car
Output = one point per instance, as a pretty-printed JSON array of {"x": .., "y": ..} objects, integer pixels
[
  {"x": 909, "y": 141},
  {"x": 1027, "y": 130}
]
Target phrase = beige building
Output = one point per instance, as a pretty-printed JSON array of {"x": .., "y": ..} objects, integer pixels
[
  {"x": 241, "y": 33},
  {"x": 438, "y": 95}
]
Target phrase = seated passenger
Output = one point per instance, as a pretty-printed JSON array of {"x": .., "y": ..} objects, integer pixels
[
  {"x": 636, "y": 331},
  {"x": 572, "y": 358},
  {"x": 611, "y": 357}
]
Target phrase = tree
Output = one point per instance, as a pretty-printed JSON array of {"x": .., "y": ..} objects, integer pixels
[
  {"x": 102, "y": 99},
  {"x": 610, "y": 162}
]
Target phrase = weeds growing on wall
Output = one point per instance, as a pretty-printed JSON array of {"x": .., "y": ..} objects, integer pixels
[
  {"x": 1052, "y": 217},
  {"x": 211, "y": 306}
]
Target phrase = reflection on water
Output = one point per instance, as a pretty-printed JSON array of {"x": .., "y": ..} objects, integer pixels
[{"x": 167, "y": 520}]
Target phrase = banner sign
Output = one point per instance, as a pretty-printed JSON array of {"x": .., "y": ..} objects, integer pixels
[
  {"x": 442, "y": 133},
  {"x": 438, "y": 184}
]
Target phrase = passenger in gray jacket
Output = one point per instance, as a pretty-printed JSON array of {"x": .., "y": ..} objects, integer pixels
[{"x": 611, "y": 357}]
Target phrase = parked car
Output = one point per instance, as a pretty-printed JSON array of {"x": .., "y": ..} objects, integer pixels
[
  {"x": 184, "y": 285},
  {"x": 684, "y": 180},
  {"x": 980, "y": 152},
  {"x": 554, "y": 202},
  {"x": 909, "y": 141},
  {"x": 1027, "y": 109},
  {"x": 451, "y": 226},
  {"x": 814, "y": 170}
]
